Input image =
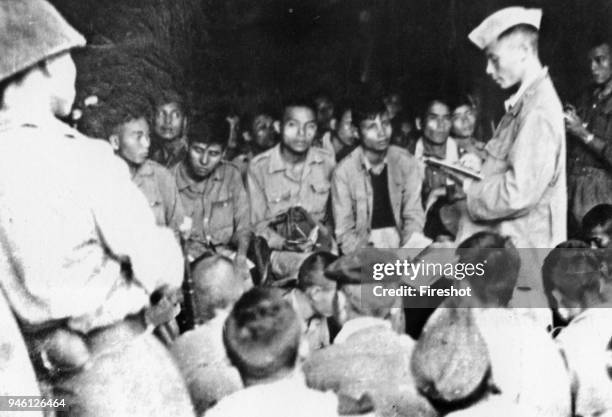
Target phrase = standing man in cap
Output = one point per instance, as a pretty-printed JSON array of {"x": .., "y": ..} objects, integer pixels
[
  {"x": 523, "y": 193},
  {"x": 78, "y": 266}
]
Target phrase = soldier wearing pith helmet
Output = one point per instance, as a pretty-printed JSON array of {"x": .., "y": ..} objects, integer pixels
[
  {"x": 80, "y": 253},
  {"x": 523, "y": 191}
]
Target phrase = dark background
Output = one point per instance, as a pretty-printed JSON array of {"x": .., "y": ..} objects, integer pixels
[{"x": 235, "y": 55}]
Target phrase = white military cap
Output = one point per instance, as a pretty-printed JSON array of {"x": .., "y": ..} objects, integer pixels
[{"x": 502, "y": 20}]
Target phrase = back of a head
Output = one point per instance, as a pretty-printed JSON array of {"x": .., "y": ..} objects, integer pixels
[
  {"x": 450, "y": 361},
  {"x": 311, "y": 272},
  {"x": 102, "y": 119},
  {"x": 217, "y": 285},
  {"x": 574, "y": 270},
  {"x": 500, "y": 262},
  {"x": 262, "y": 334}
]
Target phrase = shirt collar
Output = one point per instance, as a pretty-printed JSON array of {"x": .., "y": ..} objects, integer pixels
[
  {"x": 277, "y": 163},
  {"x": 355, "y": 325},
  {"x": 514, "y": 99},
  {"x": 183, "y": 180},
  {"x": 145, "y": 170},
  {"x": 376, "y": 169}
]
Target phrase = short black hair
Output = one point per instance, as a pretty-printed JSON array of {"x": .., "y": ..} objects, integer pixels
[
  {"x": 294, "y": 102},
  {"x": 262, "y": 334},
  {"x": 104, "y": 118},
  {"x": 169, "y": 95},
  {"x": 461, "y": 99},
  {"x": 367, "y": 109},
  {"x": 500, "y": 261},
  {"x": 529, "y": 31},
  {"x": 214, "y": 130},
  {"x": 316, "y": 262},
  {"x": 441, "y": 99},
  {"x": 553, "y": 259},
  {"x": 600, "y": 215},
  {"x": 598, "y": 37}
]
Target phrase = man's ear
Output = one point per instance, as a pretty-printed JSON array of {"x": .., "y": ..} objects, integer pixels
[
  {"x": 247, "y": 136},
  {"x": 417, "y": 123},
  {"x": 114, "y": 142},
  {"x": 277, "y": 127},
  {"x": 333, "y": 123},
  {"x": 604, "y": 270},
  {"x": 185, "y": 126}
]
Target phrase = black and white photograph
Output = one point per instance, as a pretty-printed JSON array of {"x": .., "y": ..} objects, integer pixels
[{"x": 306, "y": 208}]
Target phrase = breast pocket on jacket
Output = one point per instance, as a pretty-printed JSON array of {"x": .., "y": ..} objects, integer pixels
[
  {"x": 319, "y": 196},
  {"x": 278, "y": 201},
  {"x": 221, "y": 223}
]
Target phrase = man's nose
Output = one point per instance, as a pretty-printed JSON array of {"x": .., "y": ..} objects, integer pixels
[
  {"x": 490, "y": 70},
  {"x": 146, "y": 141},
  {"x": 593, "y": 65},
  {"x": 204, "y": 158}
]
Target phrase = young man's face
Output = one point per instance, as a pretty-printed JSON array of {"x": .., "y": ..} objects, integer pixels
[
  {"x": 375, "y": 133},
  {"x": 505, "y": 61},
  {"x": 169, "y": 121},
  {"x": 325, "y": 112},
  {"x": 203, "y": 159},
  {"x": 437, "y": 123},
  {"x": 600, "y": 236},
  {"x": 299, "y": 129},
  {"x": 345, "y": 130},
  {"x": 132, "y": 141},
  {"x": 393, "y": 103},
  {"x": 599, "y": 60},
  {"x": 464, "y": 121},
  {"x": 262, "y": 131},
  {"x": 322, "y": 299}
]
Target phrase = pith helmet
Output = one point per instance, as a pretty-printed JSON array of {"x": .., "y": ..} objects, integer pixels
[{"x": 30, "y": 31}]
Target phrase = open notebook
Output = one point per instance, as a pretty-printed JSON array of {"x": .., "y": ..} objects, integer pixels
[{"x": 455, "y": 166}]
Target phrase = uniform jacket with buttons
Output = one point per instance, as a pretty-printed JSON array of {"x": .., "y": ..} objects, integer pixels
[
  {"x": 218, "y": 206},
  {"x": 159, "y": 187},
  {"x": 272, "y": 189},
  {"x": 523, "y": 194},
  {"x": 352, "y": 197}
]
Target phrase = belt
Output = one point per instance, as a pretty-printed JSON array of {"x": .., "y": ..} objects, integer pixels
[
  {"x": 122, "y": 331},
  {"x": 63, "y": 351}
]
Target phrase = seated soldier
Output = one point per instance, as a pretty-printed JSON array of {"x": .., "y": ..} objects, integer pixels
[
  {"x": 169, "y": 129},
  {"x": 312, "y": 299},
  {"x": 376, "y": 189},
  {"x": 258, "y": 137},
  {"x": 343, "y": 136},
  {"x": 437, "y": 190},
  {"x": 128, "y": 133},
  {"x": 463, "y": 126},
  {"x": 367, "y": 357},
  {"x": 262, "y": 337},
  {"x": 291, "y": 174},
  {"x": 324, "y": 108},
  {"x": 581, "y": 287},
  {"x": 526, "y": 368},
  {"x": 597, "y": 226},
  {"x": 199, "y": 353},
  {"x": 213, "y": 195}
]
